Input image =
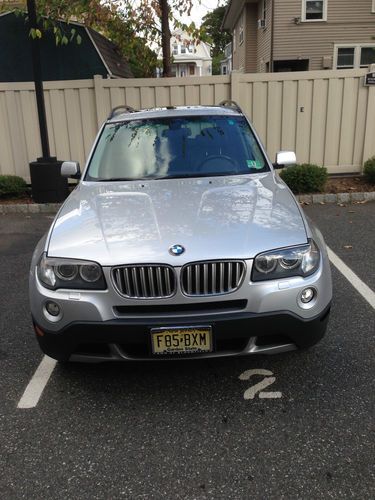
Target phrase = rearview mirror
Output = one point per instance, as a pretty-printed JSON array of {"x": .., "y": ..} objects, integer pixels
[
  {"x": 71, "y": 169},
  {"x": 285, "y": 159}
]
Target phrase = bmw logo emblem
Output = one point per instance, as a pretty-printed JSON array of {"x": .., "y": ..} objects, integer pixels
[{"x": 176, "y": 250}]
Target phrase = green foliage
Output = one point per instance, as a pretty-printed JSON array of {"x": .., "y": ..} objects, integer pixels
[
  {"x": 108, "y": 17},
  {"x": 305, "y": 178},
  {"x": 11, "y": 185},
  {"x": 216, "y": 66},
  {"x": 369, "y": 170},
  {"x": 212, "y": 32}
]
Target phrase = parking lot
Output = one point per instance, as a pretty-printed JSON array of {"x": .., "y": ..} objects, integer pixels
[{"x": 184, "y": 429}]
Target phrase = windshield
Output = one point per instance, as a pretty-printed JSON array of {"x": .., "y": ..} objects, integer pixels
[{"x": 192, "y": 146}]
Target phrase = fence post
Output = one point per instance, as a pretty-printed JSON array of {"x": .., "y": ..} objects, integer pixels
[
  {"x": 369, "y": 143},
  {"x": 235, "y": 86},
  {"x": 99, "y": 100}
]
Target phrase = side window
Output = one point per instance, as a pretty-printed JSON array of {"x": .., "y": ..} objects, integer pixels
[
  {"x": 345, "y": 57},
  {"x": 367, "y": 56},
  {"x": 314, "y": 10}
]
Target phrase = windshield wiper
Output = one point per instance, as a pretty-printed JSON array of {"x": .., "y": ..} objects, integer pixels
[
  {"x": 176, "y": 176},
  {"x": 115, "y": 179},
  {"x": 195, "y": 176}
]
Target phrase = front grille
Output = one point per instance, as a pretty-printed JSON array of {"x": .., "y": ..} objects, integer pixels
[
  {"x": 212, "y": 278},
  {"x": 145, "y": 282}
]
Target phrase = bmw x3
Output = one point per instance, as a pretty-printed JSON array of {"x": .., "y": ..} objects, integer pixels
[{"x": 179, "y": 241}]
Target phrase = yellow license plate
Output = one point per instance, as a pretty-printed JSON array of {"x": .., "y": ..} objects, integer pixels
[{"x": 184, "y": 340}]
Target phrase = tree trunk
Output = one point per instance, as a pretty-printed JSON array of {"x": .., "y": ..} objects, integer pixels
[
  {"x": 37, "y": 71},
  {"x": 165, "y": 37}
]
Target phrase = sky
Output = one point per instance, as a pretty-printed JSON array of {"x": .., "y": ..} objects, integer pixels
[{"x": 200, "y": 9}]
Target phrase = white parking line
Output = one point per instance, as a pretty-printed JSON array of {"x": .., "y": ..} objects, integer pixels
[
  {"x": 353, "y": 279},
  {"x": 37, "y": 384}
]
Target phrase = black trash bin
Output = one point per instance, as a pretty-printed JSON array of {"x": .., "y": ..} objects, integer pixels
[{"x": 47, "y": 184}]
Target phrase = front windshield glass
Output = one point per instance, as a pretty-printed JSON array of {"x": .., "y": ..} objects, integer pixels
[{"x": 176, "y": 147}]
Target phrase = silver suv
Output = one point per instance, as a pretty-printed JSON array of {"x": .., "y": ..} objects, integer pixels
[{"x": 180, "y": 241}]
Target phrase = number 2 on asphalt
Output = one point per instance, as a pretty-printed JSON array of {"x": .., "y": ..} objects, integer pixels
[{"x": 268, "y": 380}]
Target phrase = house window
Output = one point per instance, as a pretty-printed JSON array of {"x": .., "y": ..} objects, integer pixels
[
  {"x": 354, "y": 56},
  {"x": 191, "y": 70},
  {"x": 183, "y": 49},
  {"x": 191, "y": 48},
  {"x": 314, "y": 10},
  {"x": 241, "y": 35},
  {"x": 367, "y": 56},
  {"x": 224, "y": 70},
  {"x": 345, "y": 57},
  {"x": 264, "y": 10},
  {"x": 175, "y": 50}
]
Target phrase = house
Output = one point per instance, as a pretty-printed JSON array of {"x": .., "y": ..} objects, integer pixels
[
  {"x": 189, "y": 58},
  {"x": 226, "y": 63},
  {"x": 299, "y": 35},
  {"x": 96, "y": 55}
]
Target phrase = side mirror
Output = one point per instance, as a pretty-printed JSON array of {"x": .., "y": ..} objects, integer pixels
[
  {"x": 285, "y": 159},
  {"x": 71, "y": 169}
]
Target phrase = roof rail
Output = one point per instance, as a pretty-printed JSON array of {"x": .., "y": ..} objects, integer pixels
[
  {"x": 119, "y": 109},
  {"x": 227, "y": 103}
]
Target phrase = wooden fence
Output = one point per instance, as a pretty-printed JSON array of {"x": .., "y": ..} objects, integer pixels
[{"x": 327, "y": 117}]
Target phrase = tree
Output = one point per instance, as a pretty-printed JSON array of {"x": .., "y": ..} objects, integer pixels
[
  {"x": 104, "y": 16},
  {"x": 147, "y": 21},
  {"x": 213, "y": 33},
  {"x": 153, "y": 19}
]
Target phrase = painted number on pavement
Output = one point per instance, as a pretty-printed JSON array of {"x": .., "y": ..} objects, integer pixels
[{"x": 268, "y": 380}]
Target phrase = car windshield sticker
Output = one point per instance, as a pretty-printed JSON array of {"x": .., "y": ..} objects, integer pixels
[{"x": 255, "y": 164}]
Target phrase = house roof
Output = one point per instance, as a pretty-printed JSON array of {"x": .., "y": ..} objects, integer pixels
[
  {"x": 96, "y": 53},
  {"x": 233, "y": 10},
  {"x": 108, "y": 51}
]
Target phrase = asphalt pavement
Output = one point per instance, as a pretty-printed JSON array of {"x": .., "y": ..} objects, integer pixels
[{"x": 183, "y": 430}]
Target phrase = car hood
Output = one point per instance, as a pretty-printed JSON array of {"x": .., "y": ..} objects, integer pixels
[{"x": 213, "y": 218}]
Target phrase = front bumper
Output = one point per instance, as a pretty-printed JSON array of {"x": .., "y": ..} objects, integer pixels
[{"x": 233, "y": 335}]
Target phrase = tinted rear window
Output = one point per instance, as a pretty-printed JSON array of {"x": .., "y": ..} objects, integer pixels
[{"x": 176, "y": 147}]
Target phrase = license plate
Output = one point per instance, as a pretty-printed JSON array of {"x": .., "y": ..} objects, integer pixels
[{"x": 182, "y": 340}]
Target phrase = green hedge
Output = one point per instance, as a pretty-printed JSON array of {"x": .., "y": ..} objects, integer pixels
[
  {"x": 12, "y": 185},
  {"x": 305, "y": 178},
  {"x": 369, "y": 170}
]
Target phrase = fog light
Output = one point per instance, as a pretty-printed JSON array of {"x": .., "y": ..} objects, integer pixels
[
  {"x": 52, "y": 308},
  {"x": 307, "y": 295}
]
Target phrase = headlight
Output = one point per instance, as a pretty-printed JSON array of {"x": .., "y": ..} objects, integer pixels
[
  {"x": 57, "y": 273},
  {"x": 295, "y": 261}
]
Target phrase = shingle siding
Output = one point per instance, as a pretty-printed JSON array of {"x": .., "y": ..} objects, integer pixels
[
  {"x": 239, "y": 50},
  {"x": 264, "y": 37},
  {"x": 348, "y": 21},
  {"x": 251, "y": 41}
]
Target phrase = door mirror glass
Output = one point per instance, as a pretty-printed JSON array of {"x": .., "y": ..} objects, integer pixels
[{"x": 71, "y": 169}]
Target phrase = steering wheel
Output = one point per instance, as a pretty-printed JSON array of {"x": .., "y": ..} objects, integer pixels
[{"x": 217, "y": 157}]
